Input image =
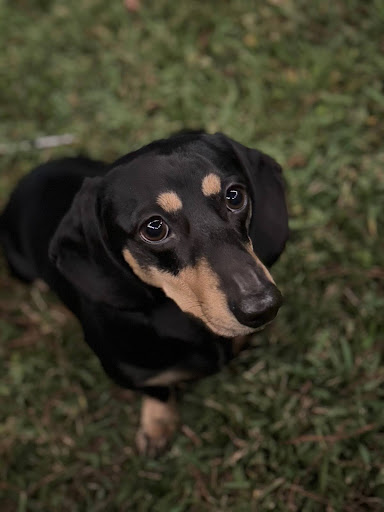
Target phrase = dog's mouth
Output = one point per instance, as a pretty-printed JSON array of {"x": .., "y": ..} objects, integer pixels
[
  {"x": 225, "y": 326},
  {"x": 231, "y": 331}
]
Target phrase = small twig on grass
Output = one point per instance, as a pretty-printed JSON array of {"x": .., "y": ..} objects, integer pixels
[
  {"x": 48, "y": 141},
  {"x": 297, "y": 489},
  {"x": 334, "y": 437},
  {"x": 201, "y": 488},
  {"x": 339, "y": 271},
  {"x": 260, "y": 494},
  {"x": 191, "y": 435},
  {"x": 43, "y": 482}
]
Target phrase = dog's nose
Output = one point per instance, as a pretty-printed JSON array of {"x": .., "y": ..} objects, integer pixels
[{"x": 258, "y": 308}]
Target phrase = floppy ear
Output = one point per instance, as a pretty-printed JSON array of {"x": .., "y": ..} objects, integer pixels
[
  {"x": 269, "y": 223},
  {"x": 80, "y": 254}
]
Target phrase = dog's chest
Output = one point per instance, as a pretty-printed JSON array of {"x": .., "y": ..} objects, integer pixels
[{"x": 194, "y": 366}]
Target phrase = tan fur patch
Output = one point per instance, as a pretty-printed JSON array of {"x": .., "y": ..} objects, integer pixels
[
  {"x": 170, "y": 202},
  {"x": 158, "y": 423},
  {"x": 169, "y": 377},
  {"x": 132, "y": 262},
  {"x": 211, "y": 184},
  {"x": 156, "y": 416},
  {"x": 267, "y": 273},
  {"x": 196, "y": 291}
]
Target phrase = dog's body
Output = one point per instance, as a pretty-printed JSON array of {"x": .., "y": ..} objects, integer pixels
[{"x": 154, "y": 254}]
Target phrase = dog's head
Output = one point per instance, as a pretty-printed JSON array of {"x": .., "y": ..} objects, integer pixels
[{"x": 198, "y": 216}]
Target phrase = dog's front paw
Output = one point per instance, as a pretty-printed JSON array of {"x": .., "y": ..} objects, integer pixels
[
  {"x": 150, "y": 446},
  {"x": 159, "y": 421}
]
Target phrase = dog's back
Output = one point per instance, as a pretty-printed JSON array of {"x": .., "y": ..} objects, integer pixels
[{"x": 36, "y": 207}]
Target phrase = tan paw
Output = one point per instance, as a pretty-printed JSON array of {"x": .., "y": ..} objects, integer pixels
[
  {"x": 150, "y": 446},
  {"x": 159, "y": 421}
]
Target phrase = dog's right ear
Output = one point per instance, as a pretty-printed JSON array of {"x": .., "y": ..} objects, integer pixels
[
  {"x": 81, "y": 256},
  {"x": 268, "y": 228}
]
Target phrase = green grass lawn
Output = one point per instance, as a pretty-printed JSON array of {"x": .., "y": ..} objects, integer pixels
[{"x": 296, "y": 423}]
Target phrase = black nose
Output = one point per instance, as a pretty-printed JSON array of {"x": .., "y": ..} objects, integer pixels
[{"x": 258, "y": 308}]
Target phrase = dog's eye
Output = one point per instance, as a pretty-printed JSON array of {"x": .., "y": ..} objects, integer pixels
[
  {"x": 154, "y": 229},
  {"x": 236, "y": 198}
]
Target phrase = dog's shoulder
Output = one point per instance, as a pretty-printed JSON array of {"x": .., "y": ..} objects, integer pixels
[
  {"x": 50, "y": 180},
  {"x": 35, "y": 207}
]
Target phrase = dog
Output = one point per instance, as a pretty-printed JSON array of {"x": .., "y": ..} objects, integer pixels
[{"x": 163, "y": 257}]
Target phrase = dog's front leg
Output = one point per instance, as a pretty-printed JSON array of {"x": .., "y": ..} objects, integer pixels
[{"x": 158, "y": 423}]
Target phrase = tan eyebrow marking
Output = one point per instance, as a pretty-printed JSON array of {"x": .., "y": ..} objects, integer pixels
[
  {"x": 211, "y": 184},
  {"x": 170, "y": 202}
]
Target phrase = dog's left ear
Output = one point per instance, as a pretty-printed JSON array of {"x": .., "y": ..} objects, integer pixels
[
  {"x": 269, "y": 223},
  {"x": 78, "y": 251}
]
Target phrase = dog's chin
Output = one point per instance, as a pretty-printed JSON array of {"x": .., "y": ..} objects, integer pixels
[{"x": 226, "y": 331}]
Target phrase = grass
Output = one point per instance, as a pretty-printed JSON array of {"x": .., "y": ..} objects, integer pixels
[{"x": 296, "y": 423}]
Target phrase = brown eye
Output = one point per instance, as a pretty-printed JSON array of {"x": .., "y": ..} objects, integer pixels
[
  {"x": 154, "y": 230},
  {"x": 236, "y": 198}
]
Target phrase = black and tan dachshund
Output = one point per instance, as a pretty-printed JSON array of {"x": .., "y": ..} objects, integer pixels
[{"x": 163, "y": 257}]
